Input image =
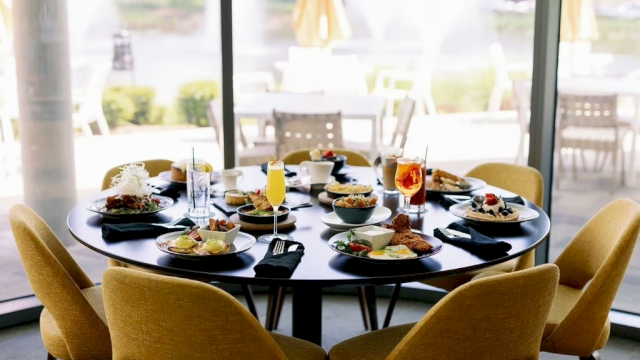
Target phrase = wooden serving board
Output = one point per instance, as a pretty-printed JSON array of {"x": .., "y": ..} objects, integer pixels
[
  {"x": 247, "y": 226},
  {"x": 324, "y": 199}
]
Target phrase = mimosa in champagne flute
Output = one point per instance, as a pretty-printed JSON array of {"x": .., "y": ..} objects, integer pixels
[
  {"x": 409, "y": 178},
  {"x": 276, "y": 190}
]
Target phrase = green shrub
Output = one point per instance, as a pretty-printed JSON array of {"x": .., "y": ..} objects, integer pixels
[
  {"x": 193, "y": 99},
  {"x": 128, "y": 104}
]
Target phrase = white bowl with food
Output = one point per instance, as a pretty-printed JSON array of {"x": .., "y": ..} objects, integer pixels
[
  {"x": 378, "y": 236},
  {"x": 222, "y": 231},
  {"x": 336, "y": 190}
]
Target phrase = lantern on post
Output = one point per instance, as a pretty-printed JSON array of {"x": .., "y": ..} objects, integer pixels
[{"x": 122, "y": 57}]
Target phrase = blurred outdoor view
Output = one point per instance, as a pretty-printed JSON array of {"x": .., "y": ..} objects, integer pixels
[{"x": 153, "y": 66}]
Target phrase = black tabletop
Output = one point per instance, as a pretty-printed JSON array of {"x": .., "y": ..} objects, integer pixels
[{"x": 320, "y": 266}]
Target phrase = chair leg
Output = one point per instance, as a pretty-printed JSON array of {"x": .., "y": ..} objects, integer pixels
[
  {"x": 272, "y": 311},
  {"x": 594, "y": 356},
  {"x": 363, "y": 308},
  {"x": 279, "y": 303},
  {"x": 370, "y": 299},
  {"x": 392, "y": 305},
  {"x": 573, "y": 165},
  {"x": 50, "y": 357},
  {"x": 248, "y": 295},
  {"x": 614, "y": 177}
]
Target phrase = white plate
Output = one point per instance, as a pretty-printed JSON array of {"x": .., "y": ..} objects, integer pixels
[
  {"x": 475, "y": 185},
  {"x": 435, "y": 243},
  {"x": 332, "y": 220},
  {"x": 166, "y": 176},
  {"x": 99, "y": 206},
  {"x": 242, "y": 243},
  {"x": 526, "y": 214},
  {"x": 300, "y": 181}
]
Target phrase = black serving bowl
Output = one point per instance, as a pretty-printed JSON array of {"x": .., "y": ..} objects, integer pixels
[
  {"x": 338, "y": 163},
  {"x": 353, "y": 215}
]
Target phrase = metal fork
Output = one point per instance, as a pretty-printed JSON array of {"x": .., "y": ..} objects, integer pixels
[
  {"x": 278, "y": 248},
  {"x": 172, "y": 224}
]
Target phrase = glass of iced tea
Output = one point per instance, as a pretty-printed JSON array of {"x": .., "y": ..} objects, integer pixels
[
  {"x": 389, "y": 157},
  {"x": 409, "y": 178},
  {"x": 418, "y": 201}
]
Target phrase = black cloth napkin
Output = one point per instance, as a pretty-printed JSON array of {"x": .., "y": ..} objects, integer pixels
[
  {"x": 287, "y": 172},
  {"x": 479, "y": 245},
  {"x": 171, "y": 190},
  {"x": 282, "y": 265},
  {"x": 222, "y": 205},
  {"x": 130, "y": 231}
]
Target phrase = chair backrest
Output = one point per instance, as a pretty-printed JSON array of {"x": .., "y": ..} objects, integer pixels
[
  {"x": 298, "y": 131},
  {"x": 587, "y": 110},
  {"x": 498, "y": 317},
  {"x": 90, "y": 107},
  {"x": 354, "y": 158},
  {"x": 57, "y": 281},
  {"x": 404, "y": 120},
  {"x": 499, "y": 60},
  {"x": 522, "y": 180},
  {"x": 598, "y": 255},
  {"x": 522, "y": 98},
  {"x": 159, "y": 317},
  {"x": 154, "y": 167}
]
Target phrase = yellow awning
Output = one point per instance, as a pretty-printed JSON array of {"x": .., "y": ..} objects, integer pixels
[
  {"x": 578, "y": 21},
  {"x": 319, "y": 23}
]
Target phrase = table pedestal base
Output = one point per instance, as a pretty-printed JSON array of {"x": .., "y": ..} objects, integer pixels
[{"x": 307, "y": 314}]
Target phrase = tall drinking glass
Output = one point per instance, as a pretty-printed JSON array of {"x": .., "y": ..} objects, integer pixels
[
  {"x": 197, "y": 191},
  {"x": 276, "y": 190},
  {"x": 409, "y": 178},
  {"x": 389, "y": 157}
]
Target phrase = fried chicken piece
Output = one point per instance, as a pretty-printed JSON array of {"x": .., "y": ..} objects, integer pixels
[
  {"x": 401, "y": 223},
  {"x": 260, "y": 202},
  {"x": 410, "y": 240}
]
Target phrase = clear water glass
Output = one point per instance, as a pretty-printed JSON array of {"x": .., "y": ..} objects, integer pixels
[{"x": 198, "y": 182}]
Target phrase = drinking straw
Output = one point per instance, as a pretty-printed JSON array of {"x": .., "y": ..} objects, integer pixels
[
  {"x": 193, "y": 182},
  {"x": 425, "y": 154}
]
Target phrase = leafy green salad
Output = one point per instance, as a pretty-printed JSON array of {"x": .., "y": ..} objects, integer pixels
[{"x": 354, "y": 246}]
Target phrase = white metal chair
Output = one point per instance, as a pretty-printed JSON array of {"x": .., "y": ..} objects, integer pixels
[
  {"x": 299, "y": 131},
  {"x": 89, "y": 107},
  {"x": 501, "y": 75},
  {"x": 590, "y": 122},
  {"x": 385, "y": 86},
  {"x": 522, "y": 102}
]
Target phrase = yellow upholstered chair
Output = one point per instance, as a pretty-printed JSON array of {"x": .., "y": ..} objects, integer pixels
[
  {"x": 591, "y": 269},
  {"x": 354, "y": 158},
  {"x": 154, "y": 167},
  {"x": 73, "y": 323},
  {"x": 522, "y": 180},
  {"x": 501, "y": 317},
  {"x": 159, "y": 317}
]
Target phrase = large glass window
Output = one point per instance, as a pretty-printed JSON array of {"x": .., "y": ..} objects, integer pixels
[
  {"x": 143, "y": 73},
  {"x": 596, "y": 124}
]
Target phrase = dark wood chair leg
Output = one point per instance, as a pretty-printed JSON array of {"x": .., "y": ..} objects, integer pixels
[
  {"x": 248, "y": 295},
  {"x": 363, "y": 308},
  {"x": 370, "y": 297},
  {"x": 270, "y": 323},
  {"x": 50, "y": 357},
  {"x": 278, "y": 305},
  {"x": 392, "y": 305},
  {"x": 594, "y": 356}
]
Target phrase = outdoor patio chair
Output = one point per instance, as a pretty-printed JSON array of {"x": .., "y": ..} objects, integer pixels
[
  {"x": 73, "y": 324},
  {"x": 300, "y": 131},
  {"x": 89, "y": 103},
  {"x": 171, "y": 318},
  {"x": 502, "y": 78},
  {"x": 387, "y": 79},
  {"x": 500, "y": 317},
  {"x": 592, "y": 267},
  {"x": 590, "y": 122},
  {"x": 522, "y": 102},
  {"x": 248, "y": 154},
  {"x": 525, "y": 181}
]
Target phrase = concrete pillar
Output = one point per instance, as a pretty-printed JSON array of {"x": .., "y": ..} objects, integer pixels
[{"x": 44, "y": 97}]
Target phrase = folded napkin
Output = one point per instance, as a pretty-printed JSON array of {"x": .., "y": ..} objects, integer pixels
[
  {"x": 222, "y": 205},
  {"x": 282, "y": 265},
  {"x": 287, "y": 172},
  {"x": 171, "y": 190},
  {"x": 129, "y": 231},
  {"x": 479, "y": 245}
]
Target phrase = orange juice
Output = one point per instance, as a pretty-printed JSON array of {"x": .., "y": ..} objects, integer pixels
[{"x": 276, "y": 186}]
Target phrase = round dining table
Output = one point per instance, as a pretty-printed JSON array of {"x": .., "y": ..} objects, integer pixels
[{"x": 320, "y": 266}]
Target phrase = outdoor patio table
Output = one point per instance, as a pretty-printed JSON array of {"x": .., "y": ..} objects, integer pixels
[
  {"x": 367, "y": 107},
  {"x": 609, "y": 85},
  {"x": 320, "y": 266}
]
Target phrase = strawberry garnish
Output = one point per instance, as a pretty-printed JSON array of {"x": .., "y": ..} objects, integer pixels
[{"x": 491, "y": 199}]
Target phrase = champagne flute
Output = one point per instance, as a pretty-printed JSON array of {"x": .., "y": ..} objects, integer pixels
[
  {"x": 409, "y": 178},
  {"x": 276, "y": 190}
]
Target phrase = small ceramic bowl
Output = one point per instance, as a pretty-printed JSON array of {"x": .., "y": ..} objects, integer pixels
[
  {"x": 378, "y": 236},
  {"x": 353, "y": 215},
  {"x": 338, "y": 163},
  {"x": 227, "y": 236}
]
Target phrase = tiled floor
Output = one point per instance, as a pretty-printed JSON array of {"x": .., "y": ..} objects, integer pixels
[{"x": 341, "y": 317}]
